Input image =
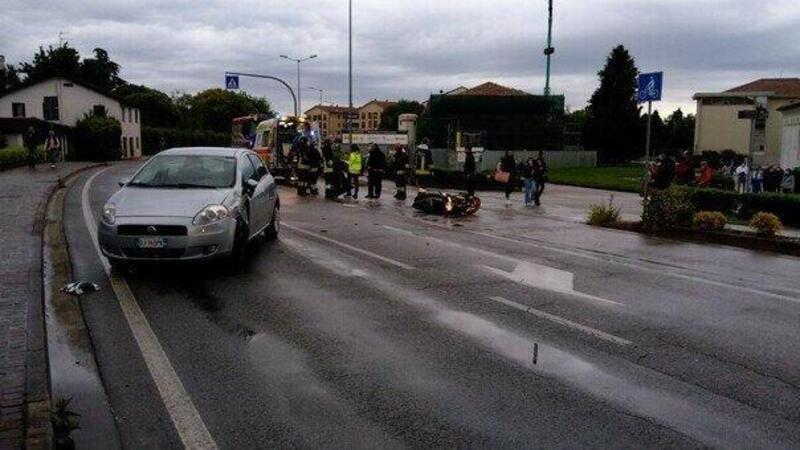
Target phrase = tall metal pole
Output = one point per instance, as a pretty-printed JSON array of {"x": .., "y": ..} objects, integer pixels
[
  {"x": 299, "y": 92},
  {"x": 269, "y": 77},
  {"x": 647, "y": 150},
  {"x": 549, "y": 50},
  {"x": 350, "y": 68}
]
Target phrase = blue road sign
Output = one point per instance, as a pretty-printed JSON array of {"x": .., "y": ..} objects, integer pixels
[
  {"x": 231, "y": 81},
  {"x": 650, "y": 86}
]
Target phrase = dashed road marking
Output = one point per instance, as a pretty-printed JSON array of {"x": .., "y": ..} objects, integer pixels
[
  {"x": 349, "y": 247},
  {"x": 185, "y": 417},
  {"x": 565, "y": 322}
]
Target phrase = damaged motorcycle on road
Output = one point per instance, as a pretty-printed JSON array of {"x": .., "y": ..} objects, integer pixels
[{"x": 446, "y": 204}]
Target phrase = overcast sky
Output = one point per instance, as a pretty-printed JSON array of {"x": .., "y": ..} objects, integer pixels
[{"x": 411, "y": 48}]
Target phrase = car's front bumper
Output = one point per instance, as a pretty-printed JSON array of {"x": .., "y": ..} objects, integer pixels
[{"x": 184, "y": 241}]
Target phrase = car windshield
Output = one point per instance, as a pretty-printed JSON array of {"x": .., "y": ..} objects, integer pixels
[{"x": 187, "y": 171}]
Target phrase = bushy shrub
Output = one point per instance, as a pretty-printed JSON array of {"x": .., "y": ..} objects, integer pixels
[
  {"x": 600, "y": 215},
  {"x": 743, "y": 206},
  {"x": 15, "y": 156},
  {"x": 669, "y": 207},
  {"x": 3, "y": 141},
  {"x": 766, "y": 224},
  {"x": 709, "y": 220},
  {"x": 173, "y": 137},
  {"x": 97, "y": 138},
  {"x": 723, "y": 182}
]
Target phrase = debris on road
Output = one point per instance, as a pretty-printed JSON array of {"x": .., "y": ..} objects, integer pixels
[{"x": 79, "y": 287}]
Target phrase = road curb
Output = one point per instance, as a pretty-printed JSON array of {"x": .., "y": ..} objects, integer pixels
[{"x": 38, "y": 401}]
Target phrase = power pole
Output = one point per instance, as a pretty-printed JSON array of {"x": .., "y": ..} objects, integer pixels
[
  {"x": 549, "y": 50},
  {"x": 350, "y": 68}
]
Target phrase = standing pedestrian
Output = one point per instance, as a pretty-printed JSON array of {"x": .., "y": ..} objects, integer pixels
[
  {"x": 539, "y": 177},
  {"x": 787, "y": 184},
  {"x": 509, "y": 165},
  {"x": 741, "y": 173},
  {"x": 314, "y": 162},
  {"x": 300, "y": 150},
  {"x": 423, "y": 163},
  {"x": 469, "y": 171},
  {"x": 684, "y": 171},
  {"x": 401, "y": 168},
  {"x": 353, "y": 171},
  {"x": 376, "y": 165},
  {"x": 328, "y": 170},
  {"x": 757, "y": 180},
  {"x": 528, "y": 182},
  {"x": 30, "y": 141},
  {"x": 705, "y": 176},
  {"x": 53, "y": 149}
]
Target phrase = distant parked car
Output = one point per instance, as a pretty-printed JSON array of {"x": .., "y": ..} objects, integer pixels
[{"x": 190, "y": 204}]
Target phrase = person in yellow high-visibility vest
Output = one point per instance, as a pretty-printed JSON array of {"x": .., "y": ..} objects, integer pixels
[{"x": 354, "y": 168}]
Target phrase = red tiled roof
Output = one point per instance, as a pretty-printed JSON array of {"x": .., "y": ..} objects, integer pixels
[
  {"x": 787, "y": 87},
  {"x": 333, "y": 109},
  {"x": 493, "y": 89},
  {"x": 382, "y": 103}
]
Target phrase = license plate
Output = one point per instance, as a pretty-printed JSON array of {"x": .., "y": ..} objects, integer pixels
[{"x": 151, "y": 243}]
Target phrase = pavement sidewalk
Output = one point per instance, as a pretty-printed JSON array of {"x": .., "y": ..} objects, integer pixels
[{"x": 24, "y": 379}]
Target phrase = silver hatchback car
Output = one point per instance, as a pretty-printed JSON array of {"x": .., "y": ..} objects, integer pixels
[{"x": 190, "y": 204}]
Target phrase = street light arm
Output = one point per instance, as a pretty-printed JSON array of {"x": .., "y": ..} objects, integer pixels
[{"x": 268, "y": 77}]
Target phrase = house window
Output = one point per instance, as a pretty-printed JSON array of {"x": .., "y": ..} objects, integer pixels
[
  {"x": 130, "y": 143},
  {"x": 136, "y": 115},
  {"x": 18, "y": 110},
  {"x": 124, "y": 146},
  {"x": 50, "y": 108},
  {"x": 99, "y": 110},
  {"x": 137, "y": 142}
]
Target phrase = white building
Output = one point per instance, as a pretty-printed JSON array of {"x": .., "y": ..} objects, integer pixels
[
  {"x": 790, "y": 142},
  {"x": 64, "y": 102}
]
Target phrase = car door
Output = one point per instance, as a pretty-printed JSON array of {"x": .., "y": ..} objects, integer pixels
[
  {"x": 258, "y": 196},
  {"x": 266, "y": 182}
]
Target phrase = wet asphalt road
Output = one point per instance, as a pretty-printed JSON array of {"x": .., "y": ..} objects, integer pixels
[{"x": 514, "y": 328}]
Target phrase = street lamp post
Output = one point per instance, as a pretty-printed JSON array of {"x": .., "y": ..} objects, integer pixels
[
  {"x": 320, "y": 93},
  {"x": 350, "y": 68},
  {"x": 298, "y": 61}
]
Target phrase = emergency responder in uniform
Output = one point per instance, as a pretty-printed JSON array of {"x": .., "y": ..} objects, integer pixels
[
  {"x": 314, "y": 163},
  {"x": 331, "y": 192},
  {"x": 401, "y": 168},
  {"x": 423, "y": 163},
  {"x": 354, "y": 167},
  {"x": 301, "y": 152}
]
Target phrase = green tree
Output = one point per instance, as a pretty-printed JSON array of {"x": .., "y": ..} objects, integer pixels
[
  {"x": 100, "y": 71},
  {"x": 9, "y": 79},
  {"x": 157, "y": 108},
  {"x": 62, "y": 61},
  {"x": 612, "y": 127},
  {"x": 97, "y": 138},
  {"x": 392, "y": 113},
  {"x": 680, "y": 130},
  {"x": 214, "y": 109}
]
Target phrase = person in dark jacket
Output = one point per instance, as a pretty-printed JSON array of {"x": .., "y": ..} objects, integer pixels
[
  {"x": 526, "y": 172},
  {"x": 539, "y": 178},
  {"x": 376, "y": 165},
  {"x": 509, "y": 164},
  {"x": 328, "y": 167},
  {"x": 30, "y": 140},
  {"x": 469, "y": 171},
  {"x": 401, "y": 168}
]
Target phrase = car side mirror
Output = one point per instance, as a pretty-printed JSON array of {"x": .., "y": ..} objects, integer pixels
[
  {"x": 261, "y": 172},
  {"x": 250, "y": 185},
  {"x": 123, "y": 181}
]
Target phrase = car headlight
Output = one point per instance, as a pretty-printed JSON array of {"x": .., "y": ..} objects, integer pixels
[
  {"x": 109, "y": 215},
  {"x": 211, "y": 214}
]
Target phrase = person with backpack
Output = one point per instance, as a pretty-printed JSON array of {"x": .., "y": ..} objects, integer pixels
[{"x": 507, "y": 174}]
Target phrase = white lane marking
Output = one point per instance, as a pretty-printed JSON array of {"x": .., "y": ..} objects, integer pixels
[
  {"x": 349, "y": 247},
  {"x": 530, "y": 274},
  {"x": 543, "y": 277},
  {"x": 565, "y": 322},
  {"x": 185, "y": 417},
  {"x": 640, "y": 267}
]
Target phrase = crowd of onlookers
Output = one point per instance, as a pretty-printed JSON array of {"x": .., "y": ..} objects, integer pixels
[{"x": 731, "y": 173}]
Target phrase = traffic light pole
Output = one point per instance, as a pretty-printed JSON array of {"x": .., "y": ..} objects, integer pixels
[{"x": 647, "y": 150}]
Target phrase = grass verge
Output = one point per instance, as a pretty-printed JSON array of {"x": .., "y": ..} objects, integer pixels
[{"x": 626, "y": 178}]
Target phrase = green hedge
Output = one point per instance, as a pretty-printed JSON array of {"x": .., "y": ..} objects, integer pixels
[
  {"x": 173, "y": 137},
  {"x": 744, "y": 206},
  {"x": 11, "y": 157}
]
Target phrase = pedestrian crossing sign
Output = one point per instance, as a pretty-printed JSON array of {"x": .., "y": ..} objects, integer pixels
[{"x": 231, "y": 81}]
